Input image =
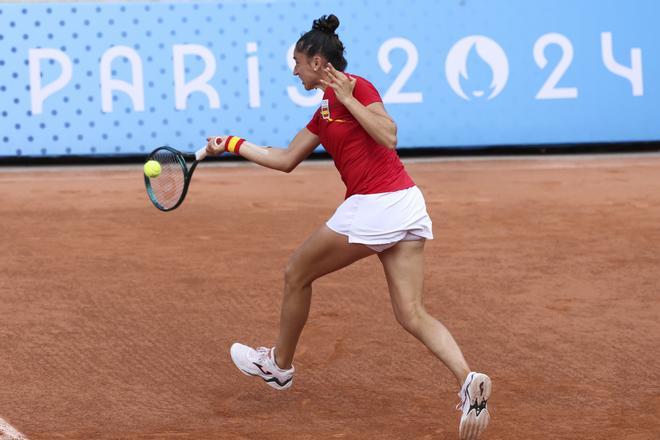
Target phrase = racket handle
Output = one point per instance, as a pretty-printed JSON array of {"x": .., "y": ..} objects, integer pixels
[{"x": 201, "y": 154}]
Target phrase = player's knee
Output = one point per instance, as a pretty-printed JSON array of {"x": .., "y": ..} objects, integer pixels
[
  {"x": 410, "y": 318},
  {"x": 294, "y": 276}
]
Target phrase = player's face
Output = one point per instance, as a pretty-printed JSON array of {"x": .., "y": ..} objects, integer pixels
[{"x": 308, "y": 70}]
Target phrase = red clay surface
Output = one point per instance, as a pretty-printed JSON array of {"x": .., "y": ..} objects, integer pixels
[{"x": 117, "y": 318}]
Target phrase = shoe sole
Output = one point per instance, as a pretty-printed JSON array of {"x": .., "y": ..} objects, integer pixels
[
  {"x": 273, "y": 385},
  {"x": 472, "y": 425}
]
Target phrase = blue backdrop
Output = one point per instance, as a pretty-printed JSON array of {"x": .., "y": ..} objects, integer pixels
[{"x": 124, "y": 78}]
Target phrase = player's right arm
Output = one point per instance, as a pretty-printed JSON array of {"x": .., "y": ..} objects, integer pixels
[{"x": 281, "y": 159}]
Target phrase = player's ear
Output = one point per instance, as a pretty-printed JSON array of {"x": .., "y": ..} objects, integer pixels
[{"x": 317, "y": 62}]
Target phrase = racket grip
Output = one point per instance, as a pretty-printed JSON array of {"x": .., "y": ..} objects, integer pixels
[{"x": 201, "y": 154}]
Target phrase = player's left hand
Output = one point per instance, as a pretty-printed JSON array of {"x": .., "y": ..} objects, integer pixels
[{"x": 342, "y": 84}]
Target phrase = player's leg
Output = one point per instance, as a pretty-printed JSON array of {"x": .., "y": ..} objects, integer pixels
[
  {"x": 404, "y": 270},
  {"x": 325, "y": 251}
]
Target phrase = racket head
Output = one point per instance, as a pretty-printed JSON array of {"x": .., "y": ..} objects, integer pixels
[{"x": 167, "y": 190}]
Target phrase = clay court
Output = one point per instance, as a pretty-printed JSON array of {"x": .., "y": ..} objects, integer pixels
[{"x": 117, "y": 318}]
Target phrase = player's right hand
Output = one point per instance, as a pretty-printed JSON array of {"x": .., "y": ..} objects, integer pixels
[{"x": 215, "y": 145}]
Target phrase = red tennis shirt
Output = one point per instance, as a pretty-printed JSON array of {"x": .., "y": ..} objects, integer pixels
[{"x": 365, "y": 166}]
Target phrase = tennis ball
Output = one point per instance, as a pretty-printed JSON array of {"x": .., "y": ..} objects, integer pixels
[{"x": 152, "y": 168}]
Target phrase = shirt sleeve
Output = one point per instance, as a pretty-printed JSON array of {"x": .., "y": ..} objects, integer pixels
[
  {"x": 365, "y": 92},
  {"x": 313, "y": 124}
]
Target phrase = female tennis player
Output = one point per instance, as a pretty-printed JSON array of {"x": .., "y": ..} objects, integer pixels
[{"x": 384, "y": 213}]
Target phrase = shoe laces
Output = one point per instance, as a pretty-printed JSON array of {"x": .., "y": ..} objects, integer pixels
[
  {"x": 263, "y": 354},
  {"x": 262, "y": 350}
]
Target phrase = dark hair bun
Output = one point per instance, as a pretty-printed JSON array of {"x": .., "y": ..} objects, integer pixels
[{"x": 327, "y": 24}]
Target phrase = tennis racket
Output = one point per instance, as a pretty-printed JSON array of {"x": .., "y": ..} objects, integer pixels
[{"x": 167, "y": 190}]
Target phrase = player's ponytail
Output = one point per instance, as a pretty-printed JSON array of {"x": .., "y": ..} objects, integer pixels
[{"x": 322, "y": 40}]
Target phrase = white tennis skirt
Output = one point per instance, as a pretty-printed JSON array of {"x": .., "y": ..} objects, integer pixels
[{"x": 382, "y": 220}]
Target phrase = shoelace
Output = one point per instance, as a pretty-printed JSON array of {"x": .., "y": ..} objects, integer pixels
[{"x": 262, "y": 354}]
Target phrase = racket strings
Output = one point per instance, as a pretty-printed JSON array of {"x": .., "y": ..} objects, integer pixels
[{"x": 167, "y": 188}]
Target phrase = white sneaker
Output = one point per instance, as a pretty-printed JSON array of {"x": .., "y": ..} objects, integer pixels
[
  {"x": 474, "y": 395},
  {"x": 261, "y": 362}
]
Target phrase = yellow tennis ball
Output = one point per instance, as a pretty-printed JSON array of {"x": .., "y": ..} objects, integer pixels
[{"x": 152, "y": 168}]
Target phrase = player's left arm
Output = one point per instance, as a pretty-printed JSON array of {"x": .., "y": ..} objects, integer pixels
[{"x": 373, "y": 118}]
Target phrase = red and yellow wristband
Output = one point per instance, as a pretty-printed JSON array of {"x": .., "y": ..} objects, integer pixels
[{"x": 233, "y": 144}]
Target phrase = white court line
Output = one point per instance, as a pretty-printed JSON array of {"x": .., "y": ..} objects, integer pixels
[{"x": 8, "y": 432}]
